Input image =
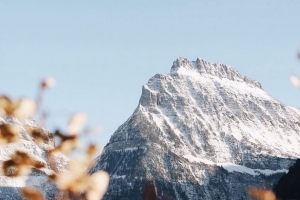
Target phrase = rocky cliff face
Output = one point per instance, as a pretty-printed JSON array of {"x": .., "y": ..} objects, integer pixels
[
  {"x": 203, "y": 131},
  {"x": 10, "y": 187}
]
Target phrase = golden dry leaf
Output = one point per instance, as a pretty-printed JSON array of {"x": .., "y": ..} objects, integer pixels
[
  {"x": 78, "y": 166},
  {"x": 262, "y": 194},
  {"x": 52, "y": 177},
  {"x": 9, "y": 133},
  {"x": 76, "y": 123},
  {"x": 32, "y": 193},
  {"x": 20, "y": 109},
  {"x": 65, "y": 147},
  {"x": 295, "y": 81},
  {"x": 75, "y": 179},
  {"x": 68, "y": 145},
  {"x": 97, "y": 185},
  {"x": 48, "y": 83},
  {"x": 5, "y": 103},
  {"x": 65, "y": 180},
  {"x": 92, "y": 149},
  {"x": 79, "y": 185},
  {"x": 24, "y": 108},
  {"x": 2, "y": 111}
]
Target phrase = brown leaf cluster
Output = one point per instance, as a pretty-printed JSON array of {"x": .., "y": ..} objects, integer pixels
[
  {"x": 76, "y": 181},
  {"x": 20, "y": 164},
  {"x": 67, "y": 143},
  {"x": 39, "y": 135},
  {"x": 9, "y": 133}
]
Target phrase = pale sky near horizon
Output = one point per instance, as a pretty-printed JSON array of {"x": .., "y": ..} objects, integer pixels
[{"x": 102, "y": 52}]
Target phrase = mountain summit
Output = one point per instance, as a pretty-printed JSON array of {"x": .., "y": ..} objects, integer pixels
[{"x": 203, "y": 131}]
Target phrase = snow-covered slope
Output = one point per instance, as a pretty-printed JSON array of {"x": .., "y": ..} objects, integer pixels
[
  {"x": 10, "y": 186},
  {"x": 203, "y": 131}
]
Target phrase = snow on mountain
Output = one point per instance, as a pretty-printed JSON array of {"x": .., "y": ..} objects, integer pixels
[
  {"x": 10, "y": 186},
  {"x": 203, "y": 131}
]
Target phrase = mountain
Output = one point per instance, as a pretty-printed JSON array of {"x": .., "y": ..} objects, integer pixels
[
  {"x": 203, "y": 131},
  {"x": 10, "y": 187}
]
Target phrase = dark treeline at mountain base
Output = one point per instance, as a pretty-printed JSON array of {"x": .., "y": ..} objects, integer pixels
[{"x": 288, "y": 186}]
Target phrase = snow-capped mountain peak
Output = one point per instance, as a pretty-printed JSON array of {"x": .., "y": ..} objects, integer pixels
[
  {"x": 203, "y": 67},
  {"x": 198, "y": 129}
]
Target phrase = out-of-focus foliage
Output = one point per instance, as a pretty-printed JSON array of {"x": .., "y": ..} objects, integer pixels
[
  {"x": 9, "y": 133},
  {"x": 294, "y": 79},
  {"x": 20, "y": 164},
  {"x": 20, "y": 108},
  {"x": 32, "y": 193},
  {"x": 75, "y": 182},
  {"x": 262, "y": 194}
]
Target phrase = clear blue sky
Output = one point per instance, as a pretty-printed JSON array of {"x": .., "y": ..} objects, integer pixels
[{"x": 102, "y": 52}]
